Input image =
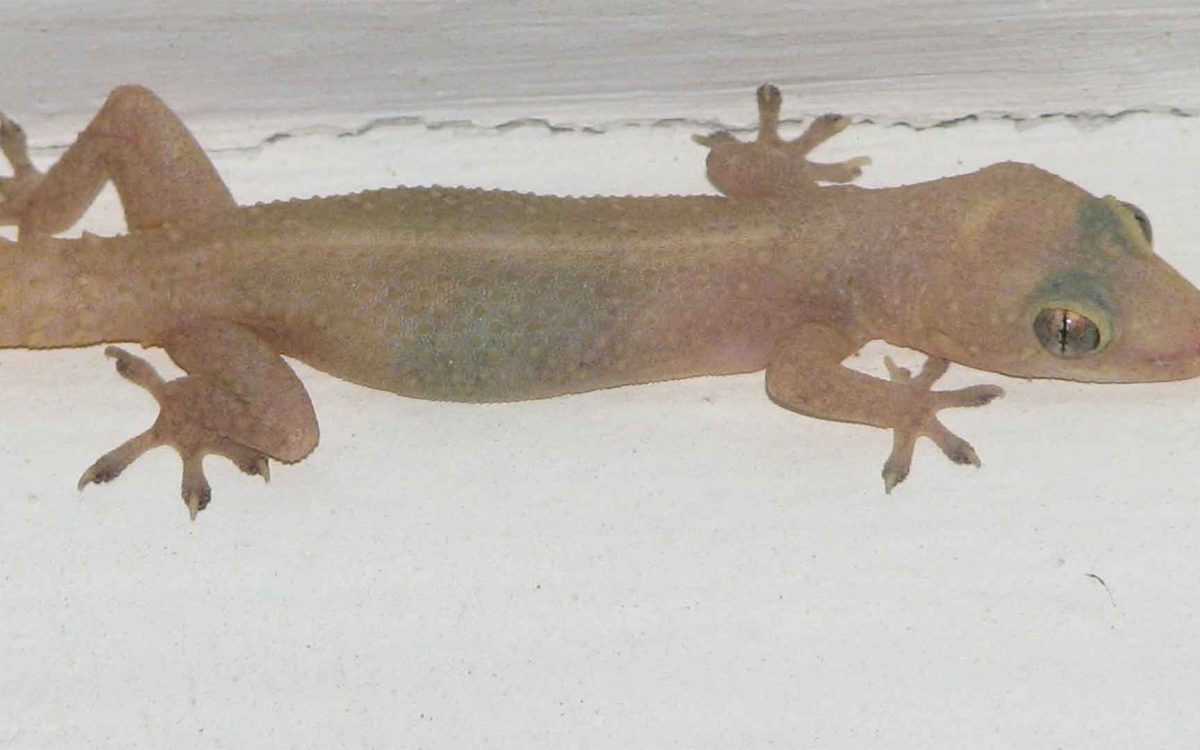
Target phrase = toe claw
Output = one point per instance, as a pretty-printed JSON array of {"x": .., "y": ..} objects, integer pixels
[
  {"x": 197, "y": 502},
  {"x": 985, "y": 394},
  {"x": 196, "y": 497},
  {"x": 922, "y": 421},
  {"x": 109, "y": 466},
  {"x": 713, "y": 139},
  {"x": 897, "y": 373},
  {"x": 832, "y": 120},
  {"x": 899, "y": 461},
  {"x": 196, "y": 491},
  {"x": 892, "y": 477},
  {"x": 976, "y": 395},
  {"x": 769, "y": 93},
  {"x": 245, "y": 458},
  {"x": 964, "y": 455},
  {"x": 97, "y": 474},
  {"x": 16, "y": 150},
  {"x": 256, "y": 467},
  {"x": 136, "y": 370}
]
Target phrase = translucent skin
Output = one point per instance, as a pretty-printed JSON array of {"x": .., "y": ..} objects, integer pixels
[
  {"x": 461, "y": 294},
  {"x": 484, "y": 295},
  {"x": 475, "y": 295}
]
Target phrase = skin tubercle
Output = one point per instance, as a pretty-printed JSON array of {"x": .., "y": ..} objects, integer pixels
[
  {"x": 502, "y": 307},
  {"x": 475, "y": 295}
]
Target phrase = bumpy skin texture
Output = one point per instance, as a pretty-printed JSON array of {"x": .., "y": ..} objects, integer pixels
[{"x": 474, "y": 295}]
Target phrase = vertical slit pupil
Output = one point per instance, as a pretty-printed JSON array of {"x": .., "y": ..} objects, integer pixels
[{"x": 1066, "y": 333}]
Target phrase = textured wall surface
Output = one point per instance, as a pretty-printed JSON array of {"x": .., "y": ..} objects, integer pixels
[
  {"x": 680, "y": 565},
  {"x": 585, "y": 62}
]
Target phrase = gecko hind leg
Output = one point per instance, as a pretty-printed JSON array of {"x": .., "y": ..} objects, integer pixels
[
  {"x": 161, "y": 173},
  {"x": 16, "y": 190},
  {"x": 770, "y": 166},
  {"x": 239, "y": 400}
]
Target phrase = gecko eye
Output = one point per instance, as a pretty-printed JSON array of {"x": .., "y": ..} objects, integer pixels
[
  {"x": 1142, "y": 219},
  {"x": 1066, "y": 333}
]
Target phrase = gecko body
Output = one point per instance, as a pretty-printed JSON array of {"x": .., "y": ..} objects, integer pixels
[{"x": 472, "y": 295}]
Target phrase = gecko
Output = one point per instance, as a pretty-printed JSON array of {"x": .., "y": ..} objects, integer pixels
[{"x": 486, "y": 295}]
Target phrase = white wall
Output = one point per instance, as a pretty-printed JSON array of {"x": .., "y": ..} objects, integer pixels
[
  {"x": 675, "y": 565},
  {"x": 287, "y": 64}
]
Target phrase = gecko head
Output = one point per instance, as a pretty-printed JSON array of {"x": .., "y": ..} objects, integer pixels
[{"x": 1072, "y": 289}]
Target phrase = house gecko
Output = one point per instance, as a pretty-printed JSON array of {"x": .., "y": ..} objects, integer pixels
[{"x": 484, "y": 295}]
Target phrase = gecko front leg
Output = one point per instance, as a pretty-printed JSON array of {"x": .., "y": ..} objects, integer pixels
[
  {"x": 239, "y": 400},
  {"x": 769, "y": 166},
  {"x": 924, "y": 422},
  {"x": 805, "y": 374}
]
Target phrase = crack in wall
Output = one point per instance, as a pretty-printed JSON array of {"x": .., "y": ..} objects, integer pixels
[
  {"x": 1085, "y": 120},
  {"x": 1082, "y": 119}
]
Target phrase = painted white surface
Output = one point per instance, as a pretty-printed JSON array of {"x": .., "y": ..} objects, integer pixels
[
  {"x": 676, "y": 565},
  {"x": 257, "y": 66}
]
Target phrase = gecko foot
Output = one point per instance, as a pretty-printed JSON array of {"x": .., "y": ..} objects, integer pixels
[
  {"x": 770, "y": 166},
  {"x": 923, "y": 421},
  {"x": 178, "y": 426},
  {"x": 15, "y": 190}
]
